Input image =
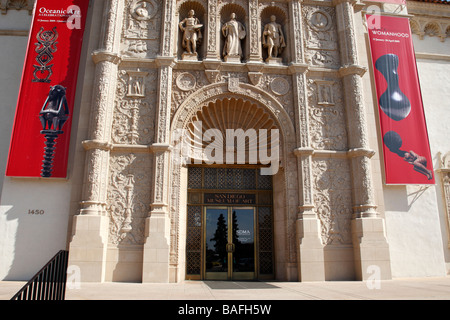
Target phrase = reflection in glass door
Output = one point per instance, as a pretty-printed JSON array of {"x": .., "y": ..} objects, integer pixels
[
  {"x": 230, "y": 243},
  {"x": 243, "y": 238},
  {"x": 216, "y": 240}
]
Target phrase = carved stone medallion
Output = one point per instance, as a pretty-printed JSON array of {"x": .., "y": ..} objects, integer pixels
[
  {"x": 186, "y": 81},
  {"x": 319, "y": 20},
  {"x": 279, "y": 86}
]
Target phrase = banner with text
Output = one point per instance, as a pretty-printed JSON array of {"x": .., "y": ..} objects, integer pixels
[
  {"x": 407, "y": 157},
  {"x": 41, "y": 131}
]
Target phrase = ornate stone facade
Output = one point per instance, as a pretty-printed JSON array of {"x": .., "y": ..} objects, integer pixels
[{"x": 146, "y": 88}]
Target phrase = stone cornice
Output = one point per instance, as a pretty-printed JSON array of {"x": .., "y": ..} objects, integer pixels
[
  {"x": 102, "y": 55},
  {"x": 352, "y": 69},
  {"x": 352, "y": 153},
  {"x": 96, "y": 144}
]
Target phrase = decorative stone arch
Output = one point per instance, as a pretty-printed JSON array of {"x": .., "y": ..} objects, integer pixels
[
  {"x": 216, "y": 91},
  {"x": 285, "y": 185}
]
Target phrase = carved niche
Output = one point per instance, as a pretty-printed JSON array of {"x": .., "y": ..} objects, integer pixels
[
  {"x": 279, "y": 11},
  {"x": 333, "y": 199},
  {"x": 141, "y": 28},
  {"x": 320, "y": 37}
]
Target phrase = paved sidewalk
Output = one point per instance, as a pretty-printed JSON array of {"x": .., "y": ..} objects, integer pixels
[{"x": 398, "y": 289}]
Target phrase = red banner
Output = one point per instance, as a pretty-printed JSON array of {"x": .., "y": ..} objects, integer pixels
[
  {"x": 406, "y": 150},
  {"x": 41, "y": 132}
]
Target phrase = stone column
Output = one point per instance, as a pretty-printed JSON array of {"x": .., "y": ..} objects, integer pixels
[
  {"x": 310, "y": 255},
  {"x": 90, "y": 227},
  {"x": 369, "y": 241},
  {"x": 156, "y": 266}
]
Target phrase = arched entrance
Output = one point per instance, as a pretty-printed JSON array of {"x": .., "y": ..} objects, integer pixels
[{"x": 231, "y": 222}]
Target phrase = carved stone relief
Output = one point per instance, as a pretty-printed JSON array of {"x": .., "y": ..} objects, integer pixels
[
  {"x": 5, "y": 5},
  {"x": 280, "y": 86},
  {"x": 141, "y": 28},
  {"x": 134, "y": 112},
  {"x": 320, "y": 38},
  {"x": 184, "y": 84},
  {"x": 128, "y": 198},
  {"x": 333, "y": 199},
  {"x": 327, "y": 123}
]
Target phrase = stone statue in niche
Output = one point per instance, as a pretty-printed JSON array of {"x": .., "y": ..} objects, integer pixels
[
  {"x": 234, "y": 32},
  {"x": 192, "y": 35},
  {"x": 273, "y": 39}
]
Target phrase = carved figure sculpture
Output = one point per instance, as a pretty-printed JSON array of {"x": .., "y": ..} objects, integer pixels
[
  {"x": 234, "y": 32},
  {"x": 55, "y": 111},
  {"x": 192, "y": 35},
  {"x": 273, "y": 38}
]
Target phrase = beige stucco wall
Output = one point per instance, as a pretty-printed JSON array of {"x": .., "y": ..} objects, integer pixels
[
  {"x": 415, "y": 215},
  {"x": 28, "y": 241}
]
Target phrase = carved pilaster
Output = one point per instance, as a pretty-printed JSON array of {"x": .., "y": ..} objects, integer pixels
[
  {"x": 254, "y": 32},
  {"x": 168, "y": 30},
  {"x": 370, "y": 246},
  {"x": 297, "y": 34},
  {"x": 97, "y": 156},
  {"x": 90, "y": 236},
  {"x": 157, "y": 230},
  {"x": 311, "y": 265},
  {"x": 351, "y": 73},
  {"x": 212, "y": 45}
]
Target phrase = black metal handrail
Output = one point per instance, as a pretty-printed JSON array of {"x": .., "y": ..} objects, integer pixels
[{"x": 49, "y": 283}]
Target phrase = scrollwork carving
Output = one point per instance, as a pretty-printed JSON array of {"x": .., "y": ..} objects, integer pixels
[
  {"x": 134, "y": 112},
  {"x": 128, "y": 197},
  {"x": 326, "y": 115},
  {"x": 332, "y": 200}
]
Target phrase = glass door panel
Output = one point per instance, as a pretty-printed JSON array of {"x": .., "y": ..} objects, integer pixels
[
  {"x": 243, "y": 239},
  {"x": 216, "y": 240},
  {"x": 229, "y": 243}
]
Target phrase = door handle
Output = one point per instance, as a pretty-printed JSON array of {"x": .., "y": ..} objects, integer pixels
[{"x": 230, "y": 247}]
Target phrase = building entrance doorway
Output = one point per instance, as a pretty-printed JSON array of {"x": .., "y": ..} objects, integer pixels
[
  {"x": 229, "y": 234},
  {"x": 229, "y": 243}
]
